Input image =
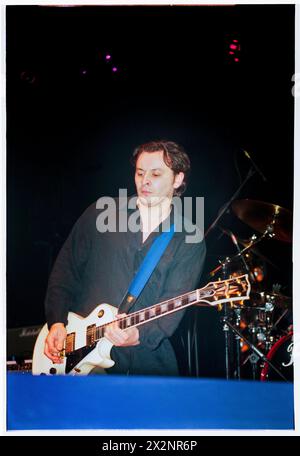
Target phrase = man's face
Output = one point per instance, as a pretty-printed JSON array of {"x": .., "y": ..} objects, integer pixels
[{"x": 154, "y": 180}]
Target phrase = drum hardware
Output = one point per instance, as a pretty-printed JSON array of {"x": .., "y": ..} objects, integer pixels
[
  {"x": 241, "y": 256},
  {"x": 280, "y": 353},
  {"x": 256, "y": 319},
  {"x": 253, "y": 325},
  {"x": 224, "y": 265},
  {"x": 254, "y": 358},
  {"x": 268, "y": 233},
  {"x": 237, "y": 371},
  {"x": 245, "y": 243},
  {"x": 256, "y": 323},
  {"x": 255, "y": 351},
  {"x": 226, "y": 331},
  {"x": 275, "y": 325}
]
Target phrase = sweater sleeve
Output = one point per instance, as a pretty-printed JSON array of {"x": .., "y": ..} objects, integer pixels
[
  {"x": 65, "y": 279},
  {"x": 183, "y": 276}
]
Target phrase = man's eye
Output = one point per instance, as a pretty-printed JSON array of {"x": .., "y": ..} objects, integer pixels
[
  {"x": 139, "y": 174},
  {"x": 156, "y": 174}
]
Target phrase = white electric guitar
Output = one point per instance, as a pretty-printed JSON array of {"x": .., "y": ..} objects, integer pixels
[{"x": 86, "y": 347}]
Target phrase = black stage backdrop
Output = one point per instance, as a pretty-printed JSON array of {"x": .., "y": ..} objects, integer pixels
[{"x": 73, "y": 122}]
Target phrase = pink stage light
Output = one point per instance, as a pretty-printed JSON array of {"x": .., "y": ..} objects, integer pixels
[{"x": 107, "y": 57}]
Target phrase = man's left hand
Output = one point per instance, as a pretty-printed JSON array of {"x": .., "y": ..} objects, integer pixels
[{"x": 120, "y": 337}]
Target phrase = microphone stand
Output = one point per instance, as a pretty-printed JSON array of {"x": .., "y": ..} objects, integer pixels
[{"x": 251, "y": 172}]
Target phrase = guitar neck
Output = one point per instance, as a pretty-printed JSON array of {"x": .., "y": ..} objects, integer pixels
[
  {"x": 233, "y": 289},
  {"x": 156, "y": 311}
]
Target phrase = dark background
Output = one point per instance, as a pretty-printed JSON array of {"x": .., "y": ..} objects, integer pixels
[{"x": 72, "y": 125}]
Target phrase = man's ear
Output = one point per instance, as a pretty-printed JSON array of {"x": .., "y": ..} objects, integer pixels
[{"x": 178, "y": 179}]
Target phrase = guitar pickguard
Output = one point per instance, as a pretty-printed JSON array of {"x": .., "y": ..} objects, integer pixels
[{"x": 74, "y": 358}]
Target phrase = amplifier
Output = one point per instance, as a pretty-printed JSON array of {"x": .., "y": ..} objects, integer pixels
[
  {"x": 19, "y": 366},
  {"x": 20, "y": 342}
]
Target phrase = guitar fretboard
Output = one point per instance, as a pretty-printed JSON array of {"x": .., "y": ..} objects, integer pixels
[{"x": 151, "y": 313}]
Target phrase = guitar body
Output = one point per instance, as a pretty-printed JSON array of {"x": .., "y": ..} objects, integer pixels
[{"x": 84, "y": 357}]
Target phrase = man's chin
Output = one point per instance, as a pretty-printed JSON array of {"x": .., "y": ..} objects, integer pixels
[{"x": 152, "y": 200}]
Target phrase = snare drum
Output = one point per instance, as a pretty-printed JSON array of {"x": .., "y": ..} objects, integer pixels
[{"x": 281, "y": 355}]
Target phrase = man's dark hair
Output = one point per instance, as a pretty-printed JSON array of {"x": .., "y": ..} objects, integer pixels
[{"x": 175, "y": 158}]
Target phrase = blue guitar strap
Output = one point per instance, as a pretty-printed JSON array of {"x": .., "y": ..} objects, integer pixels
[{"x": 146, "y": 268}]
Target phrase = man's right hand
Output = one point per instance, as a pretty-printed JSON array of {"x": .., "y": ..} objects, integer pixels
[{"x": 55, "y": 342}]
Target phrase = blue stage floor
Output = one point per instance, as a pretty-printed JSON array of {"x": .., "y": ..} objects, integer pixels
[{"x": 117, "y": 402}]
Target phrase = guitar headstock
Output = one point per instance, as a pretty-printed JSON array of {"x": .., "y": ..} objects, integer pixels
[{"x": 232, "y": 289}]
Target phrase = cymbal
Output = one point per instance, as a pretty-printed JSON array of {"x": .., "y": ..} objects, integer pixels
[{"x": 259, "y": 215}]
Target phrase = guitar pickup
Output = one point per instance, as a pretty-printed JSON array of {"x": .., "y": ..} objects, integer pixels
[
  {"x": 70, "y": 344},
  {"x": 90, "y": 335}
]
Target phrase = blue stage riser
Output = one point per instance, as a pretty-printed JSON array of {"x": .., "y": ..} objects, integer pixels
[{"x": 120, "y": 402}]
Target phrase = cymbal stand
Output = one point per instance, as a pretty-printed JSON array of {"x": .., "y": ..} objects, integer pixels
[
  {"x": 254, "y": 358},
  {"x": 254, "y": 240},
  {"x": 226, "y": 329},
  {"x": 256, "y": 351},
  {"x": 237, "y": 312}
]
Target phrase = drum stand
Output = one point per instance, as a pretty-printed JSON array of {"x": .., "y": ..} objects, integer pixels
[
  {"x": 226, "y": 328},
  {"x": 268, "y": 233},
  {"x": 274, "y": 219},
  {"x": 258, "y": 354}
]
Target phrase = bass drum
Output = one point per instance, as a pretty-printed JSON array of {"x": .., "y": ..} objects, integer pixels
[{"x": 281, "y": 355}]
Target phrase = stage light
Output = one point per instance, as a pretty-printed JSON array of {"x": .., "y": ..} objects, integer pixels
[
  {"x": 108, "y": 57},
  {"x": 232, "y": 48},
  {"x": 114, "y": 69}
]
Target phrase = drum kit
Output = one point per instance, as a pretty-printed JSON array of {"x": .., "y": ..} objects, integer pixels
[{"x": 259, "y": 332}]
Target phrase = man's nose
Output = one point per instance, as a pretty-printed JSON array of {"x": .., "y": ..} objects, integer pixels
[{"x": 146, "y": 179}]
